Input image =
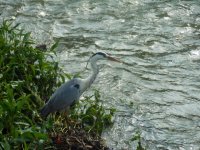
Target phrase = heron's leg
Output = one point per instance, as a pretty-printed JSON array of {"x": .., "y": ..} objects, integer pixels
[{"x": 65, "y": 114}]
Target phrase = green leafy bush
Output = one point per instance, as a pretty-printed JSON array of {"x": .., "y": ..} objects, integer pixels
[{"x": 26, "y": 77}]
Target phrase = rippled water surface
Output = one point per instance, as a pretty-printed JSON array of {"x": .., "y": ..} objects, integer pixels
[{"x": 157, "y": 93}]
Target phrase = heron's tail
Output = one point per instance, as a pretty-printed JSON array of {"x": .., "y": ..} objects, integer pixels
[{"x": 44, "y": 112}]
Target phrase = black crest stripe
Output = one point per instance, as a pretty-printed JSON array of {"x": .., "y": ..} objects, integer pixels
[{"x": 99, "y": 53}]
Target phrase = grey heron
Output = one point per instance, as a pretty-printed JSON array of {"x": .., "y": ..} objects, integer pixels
[{"x": 69, "y": 93}]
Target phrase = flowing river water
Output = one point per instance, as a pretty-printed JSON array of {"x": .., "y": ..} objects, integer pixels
[{"x": 157, "y": 91}]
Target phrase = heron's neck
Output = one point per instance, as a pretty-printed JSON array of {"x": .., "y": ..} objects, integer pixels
[{"x": 92, "y": 77}]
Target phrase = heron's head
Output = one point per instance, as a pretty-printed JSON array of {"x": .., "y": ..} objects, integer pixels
[{"x": 101, "y": 55}]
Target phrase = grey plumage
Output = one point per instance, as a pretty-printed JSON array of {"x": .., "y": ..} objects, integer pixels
[{"x": 59, "y": 101}]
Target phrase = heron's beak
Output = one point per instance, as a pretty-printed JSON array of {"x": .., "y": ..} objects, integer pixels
[{"x": 114, "y": 59}]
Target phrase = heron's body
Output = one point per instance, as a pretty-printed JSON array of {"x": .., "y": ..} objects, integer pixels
[
  {"x": 69, "y": 93},
  {"x": 58, "y": 101}
]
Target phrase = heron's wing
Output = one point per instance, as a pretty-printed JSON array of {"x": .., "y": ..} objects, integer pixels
[{"x": 65, "y": 95}]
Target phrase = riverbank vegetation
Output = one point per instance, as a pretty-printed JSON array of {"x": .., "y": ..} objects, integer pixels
[{"x": 28, "y": 77}]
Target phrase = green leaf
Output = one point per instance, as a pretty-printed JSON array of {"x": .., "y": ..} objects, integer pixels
[
  {"x": 54, "y": 46},
  {"x": 5, "y": 145},
  {"x": 23, "y": 100}
]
